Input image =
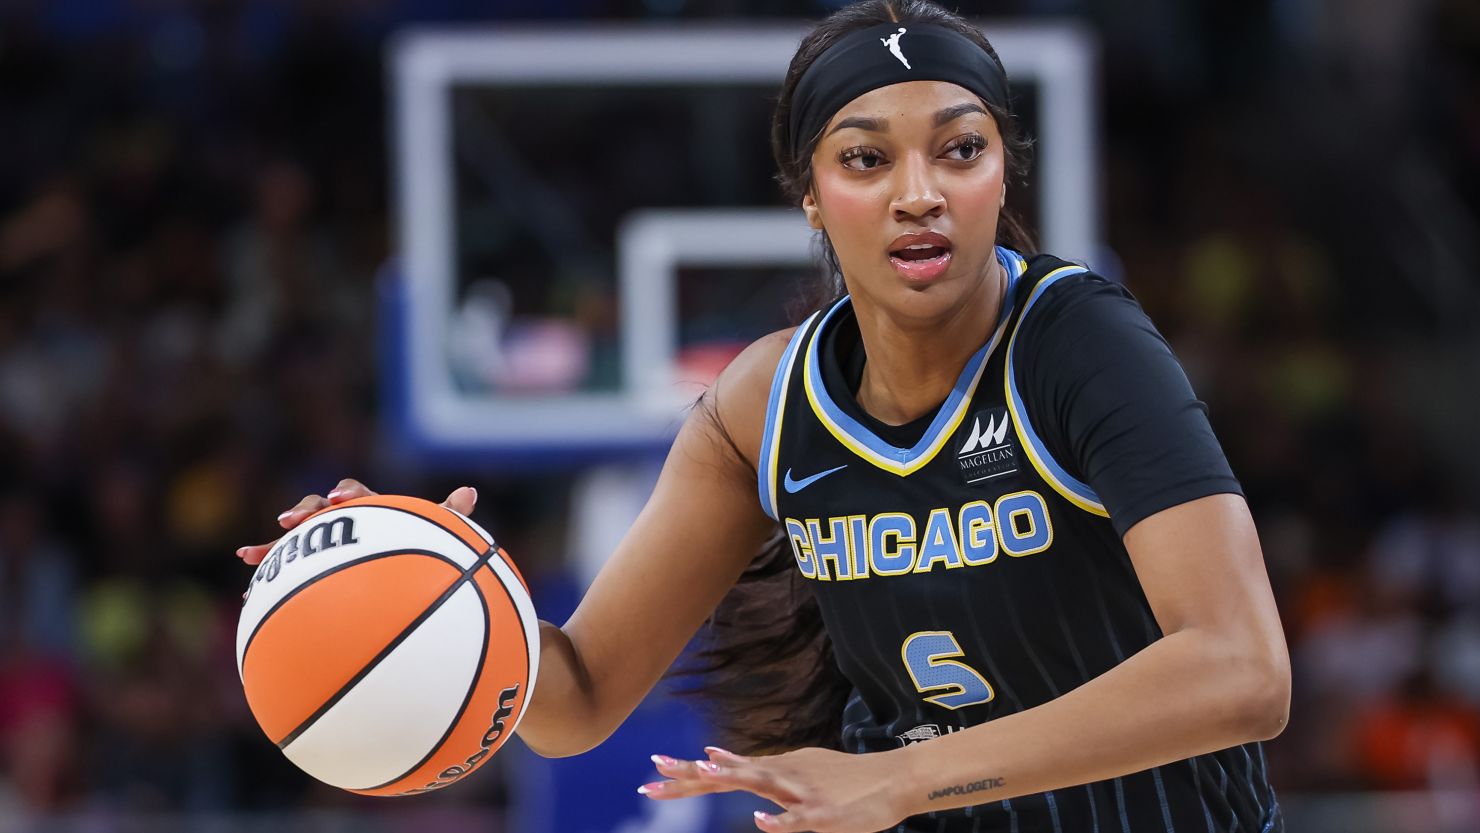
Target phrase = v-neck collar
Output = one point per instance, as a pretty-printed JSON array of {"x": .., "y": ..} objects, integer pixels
[{"x": 864, "y": 442}]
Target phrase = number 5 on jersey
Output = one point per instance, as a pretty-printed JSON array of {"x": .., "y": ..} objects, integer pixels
[{"x": 928, "y": 659}]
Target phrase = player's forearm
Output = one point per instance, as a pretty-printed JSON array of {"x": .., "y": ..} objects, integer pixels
[
  {"x": 561, "y": 715},
  {"x": 1186, "y": 694},
  {"x": 577, "y": 703}
]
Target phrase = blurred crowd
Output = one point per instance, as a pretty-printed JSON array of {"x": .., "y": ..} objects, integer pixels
[{"x": 194, "y": 207}]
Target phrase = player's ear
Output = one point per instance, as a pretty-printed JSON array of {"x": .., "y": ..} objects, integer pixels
[{"x": 809, "y": 208}]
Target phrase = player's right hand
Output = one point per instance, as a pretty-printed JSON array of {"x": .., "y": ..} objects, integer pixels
[{"x": 461, "y": 500}]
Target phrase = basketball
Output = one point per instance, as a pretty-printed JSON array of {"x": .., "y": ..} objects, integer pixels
[{"x": 387, "y": 646}]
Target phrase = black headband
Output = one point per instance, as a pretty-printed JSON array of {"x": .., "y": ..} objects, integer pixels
[{"x": 890, "y": 53}]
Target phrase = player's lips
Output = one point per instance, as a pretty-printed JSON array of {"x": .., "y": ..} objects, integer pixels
[{"x": 920, "y": 256}]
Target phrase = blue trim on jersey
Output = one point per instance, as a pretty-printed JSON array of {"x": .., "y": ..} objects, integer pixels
[
  {"x": 770, "y": 439},
  {"x": 1068, "y": 481},
  {"x": 1014, "y": 266}
]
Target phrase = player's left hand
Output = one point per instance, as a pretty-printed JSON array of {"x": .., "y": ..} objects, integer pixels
[{"x": 821, "y": 791}]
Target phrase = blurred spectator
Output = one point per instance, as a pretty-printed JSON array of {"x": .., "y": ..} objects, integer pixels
[
  {"x": 38, "y": 703},
  {"x": 160, "y": 741},
  {"x": 282, "y": 271},
  {"x": 1419, "y": 738},
  {"x": 1364, "y": 644},
  {"x": 39, "y": 734},
  {"x": 37, "y": 582},
  {"x": 1433, "y": 550}
]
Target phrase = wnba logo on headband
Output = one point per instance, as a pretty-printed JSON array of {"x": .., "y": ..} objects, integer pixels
[
  {"x": 852, "y": 67},
  {"x": 893, "y": 43}
]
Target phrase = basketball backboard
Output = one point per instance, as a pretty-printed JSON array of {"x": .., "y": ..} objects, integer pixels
[{"x": 559, "y": 190}]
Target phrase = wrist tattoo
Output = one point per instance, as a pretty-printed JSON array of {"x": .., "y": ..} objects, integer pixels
[{"x": 964, "y": 789}]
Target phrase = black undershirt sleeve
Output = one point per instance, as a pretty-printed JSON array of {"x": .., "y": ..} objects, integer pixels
[{"x": 1113, "y": 405}]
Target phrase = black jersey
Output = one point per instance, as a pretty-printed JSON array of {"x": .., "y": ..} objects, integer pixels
[{"x": 965, "y": 567}]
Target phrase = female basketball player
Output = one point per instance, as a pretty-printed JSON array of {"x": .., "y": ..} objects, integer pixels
[{"x": 1034, "y": 599}]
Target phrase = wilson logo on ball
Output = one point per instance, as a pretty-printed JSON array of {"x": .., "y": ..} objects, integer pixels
[
  {"x": 490, "y": 742},
  {"x": 315, "y": 539}
]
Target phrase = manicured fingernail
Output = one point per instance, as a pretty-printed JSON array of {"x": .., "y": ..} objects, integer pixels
[
  {"x": 713, "y": 749},
  {"x": 708, "y": 766},
  {"x": 334, "y": 494},
  {"x": 759, "y": 816},
  {"x": 285, "y": 515},
  {"x": 474, "y": 491},
  {"x": 241, "y": 552},
  {"x": 663, "y": 760},
  {"x": 650, "y": 788}
]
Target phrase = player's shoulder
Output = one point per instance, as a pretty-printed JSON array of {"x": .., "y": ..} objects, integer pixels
[
  {"x": 1049, "y": 280},
  {"x": 1054, "y": 292},
  {"x": 748, "y": 376},
  {"x": 757, "y": 362},
  {"x": 739, "y": 395}
]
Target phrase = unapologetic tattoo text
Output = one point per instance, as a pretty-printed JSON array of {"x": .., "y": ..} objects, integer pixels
[{"x": 966, "y": 789}]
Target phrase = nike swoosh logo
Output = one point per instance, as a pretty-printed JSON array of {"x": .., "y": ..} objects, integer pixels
[{"x": 794, "y": 486}]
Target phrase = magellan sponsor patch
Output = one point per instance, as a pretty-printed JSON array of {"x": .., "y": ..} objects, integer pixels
[{"x": 989, "y": 450}]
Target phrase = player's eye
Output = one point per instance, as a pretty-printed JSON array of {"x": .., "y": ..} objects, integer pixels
[
  {"x": 867, "y": 157},
  {"x": 967, "y": 148}
]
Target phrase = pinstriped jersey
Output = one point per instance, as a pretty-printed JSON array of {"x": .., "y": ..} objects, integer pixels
[{"x": 971, "y": 572}]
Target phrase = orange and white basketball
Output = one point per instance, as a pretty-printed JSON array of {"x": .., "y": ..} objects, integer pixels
[{"x": 387, "y": 645}]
